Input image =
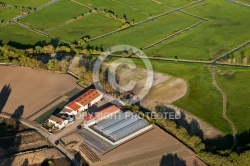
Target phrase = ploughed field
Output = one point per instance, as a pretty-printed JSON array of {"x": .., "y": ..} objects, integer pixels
[
  {"x": 149, "y": 149},
  {"x": 29, "y": 90}
]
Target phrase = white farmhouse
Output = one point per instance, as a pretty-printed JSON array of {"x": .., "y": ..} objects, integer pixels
[{"x": 58, "y": 122}]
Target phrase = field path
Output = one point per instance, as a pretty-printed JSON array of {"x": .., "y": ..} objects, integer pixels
[{"x": 224, "y": 110}]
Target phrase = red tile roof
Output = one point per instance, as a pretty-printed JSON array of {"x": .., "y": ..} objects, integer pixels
[
  {"x": 73, "y": 106},
  {"x": 106, "y": 111},
  {"x": 88, "y": 117},
  {"x": 87, "y": 97}
]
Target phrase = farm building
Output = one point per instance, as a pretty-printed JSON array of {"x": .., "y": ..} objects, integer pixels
[
  {"x": 115, "y": 126},
  {"x": 89, "y": 120},
  {"x": 58, "y": 122},
  {"x": 102, "y": 114},
  {"x": 83, "y": 102}
]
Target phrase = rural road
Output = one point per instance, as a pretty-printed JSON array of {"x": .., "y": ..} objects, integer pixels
[
  {"x": 51, "y": 137},
  {"x": 224, "y": 110}
]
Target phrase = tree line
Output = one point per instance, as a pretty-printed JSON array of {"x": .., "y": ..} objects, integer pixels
[{"x": 216, "y": 153}]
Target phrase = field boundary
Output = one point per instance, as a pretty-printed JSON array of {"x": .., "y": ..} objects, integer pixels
[
  {"x": 147, "y": 20},
  {"x": 172, "y": 35},
  {"x": 239, "y": 3},
  {"x": 232, "y": 51},
  {"x": 224, "y": 110}
]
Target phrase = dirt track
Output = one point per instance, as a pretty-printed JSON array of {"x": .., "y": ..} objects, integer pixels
[{"x": 32, "y": 88}]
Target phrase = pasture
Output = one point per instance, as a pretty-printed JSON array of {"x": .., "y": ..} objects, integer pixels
[
  {"x": 92, "y": 25},
  {"x": 227, "y": 29},
  {"x": 149, "y": 32},
  {"x": 7, "y": 14},
  {"x": 149, "y": 7},
  {"x": 235, "y": 83},
  {"x": 176, "y": 3},
  {"x": 15, "y": 33},
  {"x": 244, "y": 1},
  {"x": 25, "y": 3},
  {"x": 54, "y": 15},
  {"x": 202, "y": 99},
  {"x": 118, "y": 9}
]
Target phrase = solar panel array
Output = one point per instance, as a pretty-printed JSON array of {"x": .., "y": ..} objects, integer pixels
[{"x": 121, "y": 125}]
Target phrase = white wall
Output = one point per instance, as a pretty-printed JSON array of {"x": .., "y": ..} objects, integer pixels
[
  {"x": 107, "y": 115},
  {"x": 57, "y": 125}
]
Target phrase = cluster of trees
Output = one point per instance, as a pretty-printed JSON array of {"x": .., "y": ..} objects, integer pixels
[
  {"x": 2, "y": 5},
  {"x": 123, "y": 19},
  {"x": 32, "y": 58},
  {"x": 8, "y": 126},
  {"x": 239, "y": 57},
  {"x": 214, "y": 156},
  {"x": 25, "y": 9}
]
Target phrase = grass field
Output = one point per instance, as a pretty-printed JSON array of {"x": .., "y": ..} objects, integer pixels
[
  {"x": 176, "y": 3},
  {"x": 7, "y": 14},
  {"x": 12, "y": 32},
  {"x": 149, "y": 32},
  {"x": 236, "y": 87},
  {"x": 25, "y": 3},
  {"x": 244, "y": 1},
  {"x": 93, "y": 25},
  {"x": 53, "y": 111},
  {"x": 118, "y": 9},
  {"x": 213, "y": 38},
  {"x": 54, "y": 15},
  {"x": 147, "y": 6},
  {"x": 202, "y": 99}
]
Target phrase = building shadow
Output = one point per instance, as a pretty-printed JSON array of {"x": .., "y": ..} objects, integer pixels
[
  {"x": 172, "y": 160},
  {"x": 4, "y": 95}
]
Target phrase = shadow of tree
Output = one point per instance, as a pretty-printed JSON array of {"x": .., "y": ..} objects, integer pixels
[
  {"x": 192, "y": 127},
  {"x": 4, "y": 95},
  {"x": 214, "y": 145},
  {"x": 18, "y": 113},
  {"x": 79, "y": 159},
  {"x": 25, "y": 162},
  {"x": 172, "y": 160}
]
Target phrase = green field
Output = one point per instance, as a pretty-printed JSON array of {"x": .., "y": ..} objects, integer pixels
[
  {"x": 93, "y": 25},
  {"x": 176, "y": 3},
  {"x": 12, "y": 32},
  {"x": 118, "y": 9},
  {"x": 202, "y": 98},
  {"x": 244, "y": 1},
  {"x": 147, "y": 6},
  {"x": 236, "y": 87},
  {"x": 53, "y": 111},
  {"x": 228, "y": 28},
  {"x": 149, "y": 32},
  {"x": 7, "y": 14},
  {"x": 25, "y": 3},
  {"x": 54, "y": 15}
]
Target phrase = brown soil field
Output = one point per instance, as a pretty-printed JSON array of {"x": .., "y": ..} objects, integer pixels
[
  {"x": 22, "y": 142},
  {"x": 148, "y": 149},
  {"x": 36, "y": 158},
  {"x": 165, "y": 89},
  {"x": 32, "y": 89}
]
